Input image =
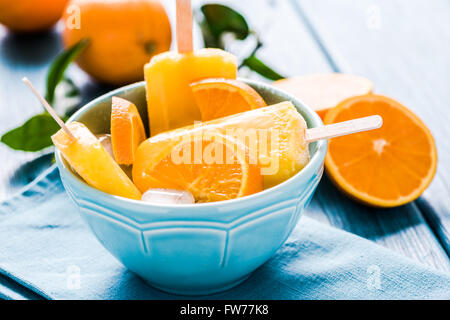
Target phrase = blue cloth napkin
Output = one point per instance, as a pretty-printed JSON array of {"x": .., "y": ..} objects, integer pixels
[{"x": 46, "y": 247}]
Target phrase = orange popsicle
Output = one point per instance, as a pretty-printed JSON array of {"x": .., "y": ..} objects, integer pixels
[
  {"x": 93, "y": 163},
  {"x": 171, "y": 103},
  {"x": 217, "y": 170},
  {"x": 273, "y": 136},
  {"x": 88, "y": 157},
  {"x": 276, "y": 138}
]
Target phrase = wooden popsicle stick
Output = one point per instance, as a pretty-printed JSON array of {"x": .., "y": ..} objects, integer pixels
[
  {"x": 49, "y": 108},
  {"x": 184, "y": 26},
  {"x": 343, "y": 128}
]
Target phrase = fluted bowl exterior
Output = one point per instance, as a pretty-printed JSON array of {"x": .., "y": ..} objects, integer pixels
[{"x": 194, "y": 249}]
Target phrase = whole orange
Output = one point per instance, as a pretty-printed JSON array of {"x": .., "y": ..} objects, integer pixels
[
  {"x": 30, "y": 15},
  {"x": 124, "y": 35}
]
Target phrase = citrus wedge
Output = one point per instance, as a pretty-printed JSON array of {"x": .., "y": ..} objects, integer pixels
[
  {"x": 217, "y": 98},
  {"x": 127, "y": 130},
  {"x": 212, "y": 167},
  {"x": 388, "y": 167},
  {"x": 325, "y": 91}
]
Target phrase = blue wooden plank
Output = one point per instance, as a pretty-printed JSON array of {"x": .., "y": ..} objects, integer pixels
[
  {"x": 11, "y": 290},
  {"x": 289, "y": 47},
  {"x": 403, "y": 46},
  {"x": 19, "y": 56}
]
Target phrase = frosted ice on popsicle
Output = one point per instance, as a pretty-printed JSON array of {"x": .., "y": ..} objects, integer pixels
[
  {"x": 170, "y": 100},
  {"x": 274, "y": 136}
]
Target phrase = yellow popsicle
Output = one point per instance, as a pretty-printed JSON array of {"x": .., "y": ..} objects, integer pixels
[
  {"x": 170, "y": 100},
  {"x": 171, "y": 103},
  {"x": 274, "y": 136},
  {"x": 93, "y": 163}
]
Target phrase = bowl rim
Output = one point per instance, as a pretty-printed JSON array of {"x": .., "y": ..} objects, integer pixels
[{"x": 315, "y": 162}]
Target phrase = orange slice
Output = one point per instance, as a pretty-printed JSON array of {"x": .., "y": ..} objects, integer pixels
[
  {"x": 325, "y": 91},
  {"x": 218, "y": 98},
  {"x": 210, "y": 166},
  {"x": 127, "y": 130},
  {"x": 388, "y": 167}
]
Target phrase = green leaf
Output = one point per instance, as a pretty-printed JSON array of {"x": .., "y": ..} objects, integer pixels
[
  {"x": 208, "y": 38},
  {"x": 34, "y": 135},
  {"x": 59, "y": 66},
  {"x": 220, "y": 19},
  {"x": 261, "y": 68}
]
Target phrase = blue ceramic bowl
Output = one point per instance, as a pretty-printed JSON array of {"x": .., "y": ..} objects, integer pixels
[{"x": 194, "y": 249}]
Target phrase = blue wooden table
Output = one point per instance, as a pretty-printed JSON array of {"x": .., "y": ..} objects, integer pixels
[{"x": 403, "y": 46}]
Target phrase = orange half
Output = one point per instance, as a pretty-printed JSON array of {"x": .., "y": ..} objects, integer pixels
[
  {"x": 127, "y": 130},
  {"x": 218, "y": 98},
  {"x": 388, "y": 167}
]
